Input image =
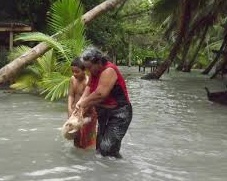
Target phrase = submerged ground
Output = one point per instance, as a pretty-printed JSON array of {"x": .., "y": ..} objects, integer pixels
[{"x": 175, "y": 134}]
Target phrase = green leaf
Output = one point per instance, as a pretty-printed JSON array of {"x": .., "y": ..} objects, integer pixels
[{"x": 55, "y": 86}]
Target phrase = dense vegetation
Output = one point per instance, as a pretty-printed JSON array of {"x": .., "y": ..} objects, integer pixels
[
  {"x": 33, "y": 12},
  {"x": 179, "y": 32}
]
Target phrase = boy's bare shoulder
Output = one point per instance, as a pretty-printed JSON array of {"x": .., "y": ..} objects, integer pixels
[
  {"x": 72, "y": 78},
  {"x": 75, "y": 82}
]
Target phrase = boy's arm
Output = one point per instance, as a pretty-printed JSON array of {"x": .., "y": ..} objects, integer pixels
[
  {"x": 85, "y": 93},
  {"x": 71, "y": 97}
]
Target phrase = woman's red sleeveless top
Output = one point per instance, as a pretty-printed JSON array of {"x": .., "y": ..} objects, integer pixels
[{"x": 119, "y": 94}]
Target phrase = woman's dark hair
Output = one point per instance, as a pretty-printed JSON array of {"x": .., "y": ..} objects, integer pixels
[
  {"x": 78, "y": 63},
  {"x": 94, "y": 55}
]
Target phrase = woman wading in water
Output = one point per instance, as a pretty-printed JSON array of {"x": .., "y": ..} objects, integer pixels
[{"x": 106, "y": 91}]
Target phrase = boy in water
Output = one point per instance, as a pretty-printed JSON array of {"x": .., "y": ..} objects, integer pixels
[{"x": 86, "y": 136}]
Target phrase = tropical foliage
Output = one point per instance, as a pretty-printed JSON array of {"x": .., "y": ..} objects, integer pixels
[
  {"x": 31, "y": 12},
  {"x": 187, "y": 25},
  {"x": 182, "y": 32},
  {"x": 51, "y": 73}
]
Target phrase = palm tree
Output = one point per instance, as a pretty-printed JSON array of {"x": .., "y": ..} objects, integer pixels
[
  {"x": 211, "y": 12},
  {"x": 14, "y": 67},
  {"x": 202, "y": 21},
  {"x": 217, "y": 8},
  {"x": 51, "y": 72},
  {"x": 218, "y": 53},
  {"x": 200, "y": 26},
  {"x": 188, "y": 66},
  {"x": 185, "y": 18}
]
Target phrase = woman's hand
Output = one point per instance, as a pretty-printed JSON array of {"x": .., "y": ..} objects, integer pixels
[
  {"x": 78, "y": 105},
  {"x": 82, "y": 103},
  {"x": 86, "y": 112}
]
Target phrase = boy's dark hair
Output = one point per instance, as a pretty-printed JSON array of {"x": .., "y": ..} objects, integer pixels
[
  {"x": 77, "y": 63},
  {"x": 94, "y": 55}
]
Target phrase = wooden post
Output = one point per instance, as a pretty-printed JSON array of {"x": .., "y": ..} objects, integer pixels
[
  {"x": 130, "y": 52},
  {"x": 114, "y": 57},
  {"x": 10, "y": 40}
]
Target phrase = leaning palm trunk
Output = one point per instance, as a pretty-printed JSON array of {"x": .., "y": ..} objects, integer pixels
[
  {"x": 184, "y": 22},
  {"x": 187, "y": 46},
  {"x": 188, "y": 67},
  {"x": 184, "y": 54},
  {"x": 221, "y": 65},
  {"x": 211, "y": 65},
  {"x": 217, "y": 6},
  {"x": 10, "y": 70},
  {"x": 201, "y": 23}
]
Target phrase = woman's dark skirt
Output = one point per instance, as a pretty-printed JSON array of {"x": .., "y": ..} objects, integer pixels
[{"x": 112, "y": 126}]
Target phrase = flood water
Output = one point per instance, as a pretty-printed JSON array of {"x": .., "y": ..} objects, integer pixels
[{"x": 176, "y": 134}]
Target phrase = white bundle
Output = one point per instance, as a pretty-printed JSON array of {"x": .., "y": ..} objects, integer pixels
[{"x": 75, "y": 122}]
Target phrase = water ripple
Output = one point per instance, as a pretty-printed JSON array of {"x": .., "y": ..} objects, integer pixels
[{"x": 176, "y": 134}]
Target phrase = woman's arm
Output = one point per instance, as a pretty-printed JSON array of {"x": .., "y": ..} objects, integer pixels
[
  {"x": 106, "y": 83},
  {"x": 84, "y": 95},
  {"x": 71, "y": 97}
]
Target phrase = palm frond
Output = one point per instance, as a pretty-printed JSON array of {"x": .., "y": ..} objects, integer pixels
[
  {"x": 64, "y": 68},
  {"x": 64, "y": 13},
  {"x": 162, "y": 9},
  {"x": 25, "y": 83},
  {"x": 55, "y": 86},
  {"x": 48, "y": 63},
  {"x": 18, "y": 51},
  {"x": 216, "y": 45},
  {"x": 40, "y": 37},
  {"x": 74, "y": 47}
]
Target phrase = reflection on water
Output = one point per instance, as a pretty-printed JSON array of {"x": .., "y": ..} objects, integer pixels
[{"x": 175, "y": 134}]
